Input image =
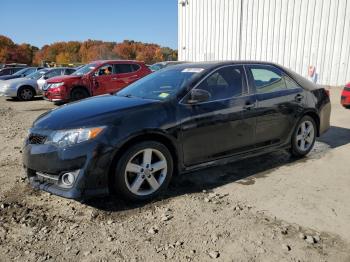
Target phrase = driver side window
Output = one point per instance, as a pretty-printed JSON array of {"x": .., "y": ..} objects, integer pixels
[
  {"x": 224, "y": 83},
  {"x": 105, "y": 70}
]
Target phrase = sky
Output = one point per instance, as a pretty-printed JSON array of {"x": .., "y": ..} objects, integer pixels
[{"x": 40, "y": 22}]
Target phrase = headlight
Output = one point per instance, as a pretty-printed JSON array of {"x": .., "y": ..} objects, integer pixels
[
  {"x": 64, "y": 138},
  {"x": 56, "y": 85}
]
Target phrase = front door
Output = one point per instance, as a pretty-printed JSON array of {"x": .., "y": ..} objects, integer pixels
[
  {"x": 217, "y": 128},
  {"x": 102, "y": 80}
]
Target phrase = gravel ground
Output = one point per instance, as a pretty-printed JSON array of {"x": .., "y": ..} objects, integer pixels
[{"x": 269, "y": 208}]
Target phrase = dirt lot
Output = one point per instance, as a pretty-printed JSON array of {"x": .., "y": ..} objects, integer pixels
[{"x": 270, "y": 208}]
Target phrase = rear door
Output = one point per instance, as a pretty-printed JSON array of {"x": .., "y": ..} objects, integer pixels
[
  {"x": 279, "y": 99},
  {"x": 217, "y": 128},
  {"x": 125, "y": 74}
]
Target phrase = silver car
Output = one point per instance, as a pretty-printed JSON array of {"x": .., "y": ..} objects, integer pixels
[{"x": 26, "y": 88}]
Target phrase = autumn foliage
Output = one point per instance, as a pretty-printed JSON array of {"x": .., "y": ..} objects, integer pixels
[{"x": 83, "y": 52}]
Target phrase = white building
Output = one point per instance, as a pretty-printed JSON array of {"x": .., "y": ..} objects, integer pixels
[{"x": 294, "y": 33}]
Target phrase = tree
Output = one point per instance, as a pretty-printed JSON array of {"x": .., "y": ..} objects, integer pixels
[
  {"x": 83, "y": 52},
  {"x": 6, "y": 46}
]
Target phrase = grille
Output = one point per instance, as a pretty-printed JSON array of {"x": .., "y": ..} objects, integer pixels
[
  {"x": 46, "y": 86},
  {"x": 36, "y": 139}
]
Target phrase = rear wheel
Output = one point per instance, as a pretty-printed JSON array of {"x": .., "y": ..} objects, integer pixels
[
  {"x": 143, "y": 171},
  {"x": 304, "y": 137},
  {"x": 78, "y": 94},
  {"x": 25, "y": 93}
]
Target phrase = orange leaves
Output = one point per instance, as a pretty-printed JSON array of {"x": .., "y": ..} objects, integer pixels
[{"x": 83, "y": 52}]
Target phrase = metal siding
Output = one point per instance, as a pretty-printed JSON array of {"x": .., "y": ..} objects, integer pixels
[{"x": 294, "y": 33}]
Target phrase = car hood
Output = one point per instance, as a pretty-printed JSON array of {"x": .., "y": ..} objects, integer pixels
[
  {"x": 99, "y": 110},
  {"x": 58, "y": 79}
]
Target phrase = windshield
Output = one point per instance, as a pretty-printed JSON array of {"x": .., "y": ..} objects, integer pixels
[
  {"x": 84, "y": 70},
  {"x": 156, "y": 67},
  {"x": 21, "y": 72},
  {"x": 37, "y": 74},
  {"x": 160, "y": 85}
]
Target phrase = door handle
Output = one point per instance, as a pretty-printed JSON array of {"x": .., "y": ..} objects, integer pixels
[
  {"x": 114, "y": 78},
  {"x": 299, "y": 97}
]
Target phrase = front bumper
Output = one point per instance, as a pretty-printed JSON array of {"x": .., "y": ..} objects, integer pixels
[
  {"x": 46, "y": 164},
  {"x": 345, "y": 97},
  {"x": 7, "y": 91},
  {"x": 55, "y": 94}
]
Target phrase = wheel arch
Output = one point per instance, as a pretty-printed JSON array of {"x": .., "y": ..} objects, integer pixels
[
  {"x": 26, "y": 85},
  {"x": 316, "y": 118},
  {"x": 79, "y": 87},
  {"x": 146, "y": 136}
]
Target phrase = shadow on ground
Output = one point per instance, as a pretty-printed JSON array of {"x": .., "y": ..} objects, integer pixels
[
  {"x": 13, "y": 99},
  {"x": 336, "y": 136},
  {"x": 244, "y": 172}
]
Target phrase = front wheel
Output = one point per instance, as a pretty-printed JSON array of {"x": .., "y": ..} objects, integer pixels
[
  {"x": 78, "y": 94},
  {"x": 143, "y": 171},
  {"x": 304, "y": 137}
]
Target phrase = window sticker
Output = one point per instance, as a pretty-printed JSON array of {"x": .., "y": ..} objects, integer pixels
[{"x": 192, "y": 70}]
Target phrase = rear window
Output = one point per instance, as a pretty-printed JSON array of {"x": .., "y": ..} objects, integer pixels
[
  {"x": 123, "y": 68},
  {"x": 135, "y": 67}
]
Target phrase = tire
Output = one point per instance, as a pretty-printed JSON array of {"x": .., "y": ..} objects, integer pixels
[
  {"x": 141, "y": 183},
  {"x": 25, "y": 93},
  {"x": 304, "y": 137},
  {"x": 78, "y": 94}
]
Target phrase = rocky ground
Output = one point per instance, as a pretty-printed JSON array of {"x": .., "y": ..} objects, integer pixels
[{"x": 270, "y": 208}]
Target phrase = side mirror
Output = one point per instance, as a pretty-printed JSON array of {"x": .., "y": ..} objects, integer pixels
[{"x": 198, "y": 96}]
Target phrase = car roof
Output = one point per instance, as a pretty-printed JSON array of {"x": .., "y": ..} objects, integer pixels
[
  {"x": 214, "y": 64},
  {"x": 13, "y": 67},
  {"x": 60, "y": 67},
  {"x": 208, "y": 66},
  {"x": 100, "y": 62}
]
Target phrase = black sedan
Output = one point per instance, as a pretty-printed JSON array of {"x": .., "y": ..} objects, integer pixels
[{"x": 178, "y": 119}]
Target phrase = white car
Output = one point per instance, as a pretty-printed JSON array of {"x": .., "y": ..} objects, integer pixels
[{"x": 28, "y": 87}]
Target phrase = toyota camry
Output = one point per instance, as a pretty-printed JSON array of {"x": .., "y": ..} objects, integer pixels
[{"x": 176, "y": 120}]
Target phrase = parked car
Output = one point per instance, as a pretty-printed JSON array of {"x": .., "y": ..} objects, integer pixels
[
  {"x": 13, "y": 65},
  {"x": 26, "y": 88},
  {"x": 345, "y": 96},
  {"x": 10, "y": 70},
  {"x": 161, "y": 65},
  {"x": 180, "y": 119},
  {"x": 96, "y": 78},
  {"x": 21, "y": 73}
]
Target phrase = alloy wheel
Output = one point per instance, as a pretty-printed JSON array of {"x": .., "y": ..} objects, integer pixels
[
  {"x": 145, "y": 172},
  {"x": 305, "y": 135},
  {"x": 26, "y": 94}
]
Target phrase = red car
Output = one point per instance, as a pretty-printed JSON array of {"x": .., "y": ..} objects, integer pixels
[
  {"x": 96, "y": 78},
  {"x": 345, "y": 96}
]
